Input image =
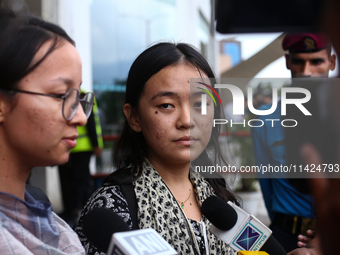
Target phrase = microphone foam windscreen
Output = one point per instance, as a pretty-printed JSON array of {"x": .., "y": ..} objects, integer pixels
[
  {"x": 219, "y": 213},
  {"x": 99, "y": 225}
]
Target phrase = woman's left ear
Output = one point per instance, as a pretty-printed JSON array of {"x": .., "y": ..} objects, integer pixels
[{"x": 132, "y": 118}]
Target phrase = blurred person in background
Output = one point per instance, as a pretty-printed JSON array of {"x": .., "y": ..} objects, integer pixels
[
  {"x": 326, "y": 191},
  {"x": 291, "y": 212}
]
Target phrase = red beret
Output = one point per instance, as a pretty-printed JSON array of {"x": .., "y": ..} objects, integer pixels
[{"x": 307, "y": 42}]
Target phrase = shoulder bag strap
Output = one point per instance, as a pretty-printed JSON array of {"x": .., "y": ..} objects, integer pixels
[{"x": 129, "y": 193}]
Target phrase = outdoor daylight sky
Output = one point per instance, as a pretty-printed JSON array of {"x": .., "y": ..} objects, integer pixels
[{"x": 121, "y": 30}]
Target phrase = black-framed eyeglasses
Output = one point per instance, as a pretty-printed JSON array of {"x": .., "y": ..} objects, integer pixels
[{"x": 71, "y": 100}]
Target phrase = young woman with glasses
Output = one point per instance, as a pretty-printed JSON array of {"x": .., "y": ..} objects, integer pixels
[{"x": 40, "y": 109}]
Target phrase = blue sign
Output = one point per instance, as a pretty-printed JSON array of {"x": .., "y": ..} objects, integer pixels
[{"x": 109, "y": 87}]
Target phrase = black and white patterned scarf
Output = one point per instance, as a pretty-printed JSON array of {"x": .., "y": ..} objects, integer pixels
[{"x": 159, "y": 209}]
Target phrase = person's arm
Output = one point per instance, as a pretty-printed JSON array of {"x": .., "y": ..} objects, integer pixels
[
  {"x": 91, "y": 129},
  {"x": 8, "y": 243},
  {"x": 110, "y": 197},
  {"x": 92, "y": 132}
]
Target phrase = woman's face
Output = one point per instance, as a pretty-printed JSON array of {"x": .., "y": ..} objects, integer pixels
[
  {"x": 33, "y": 126},
  {"x": 169, "y": 116}
]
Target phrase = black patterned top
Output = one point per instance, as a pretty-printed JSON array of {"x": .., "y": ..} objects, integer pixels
[{"x": 112, "y": 197}]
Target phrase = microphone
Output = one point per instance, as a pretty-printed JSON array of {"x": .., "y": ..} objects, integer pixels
[
  {"x": 246, "y": 233},
  {"x": 219, "y": 213},
  {"x": 111, "y": 235}
]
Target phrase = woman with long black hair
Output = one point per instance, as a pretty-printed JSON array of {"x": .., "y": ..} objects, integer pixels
[{"x": 164, "y": 136}]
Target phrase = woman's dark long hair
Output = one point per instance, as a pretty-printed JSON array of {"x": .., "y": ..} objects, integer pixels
[
  {"x": 131, "y": 148},
  {"x": 21, "y": 37}
]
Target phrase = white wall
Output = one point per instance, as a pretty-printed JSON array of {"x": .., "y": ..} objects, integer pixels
[
  {"x": 188, "y": 24},
  {"x": 74, "y": 17}
]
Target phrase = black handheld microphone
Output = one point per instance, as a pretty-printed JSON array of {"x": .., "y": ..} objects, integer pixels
[
  {"x": 243, "y": 231},
  {"x": 219, "y": 213},
  {"x": 110, "y": 234}
]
